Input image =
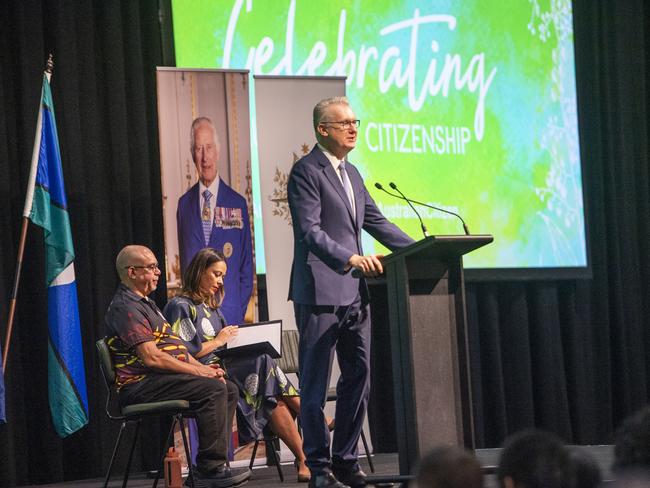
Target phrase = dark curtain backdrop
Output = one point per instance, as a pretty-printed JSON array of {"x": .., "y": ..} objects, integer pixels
[
  {"x": 571, "y": 356},
  {"x": 105, "y": 54}
]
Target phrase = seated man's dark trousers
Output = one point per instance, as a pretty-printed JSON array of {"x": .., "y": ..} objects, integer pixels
[{"x": 213, "y": 402}]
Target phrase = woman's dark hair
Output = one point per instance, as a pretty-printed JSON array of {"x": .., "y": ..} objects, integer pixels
[{"x": 205, "y": 258}]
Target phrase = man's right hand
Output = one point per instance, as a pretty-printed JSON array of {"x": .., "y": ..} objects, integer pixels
[
  {"x": 210, "y": 372},
  {"x": 156, "y": 359},
  {"x": 368, "y": 265}
]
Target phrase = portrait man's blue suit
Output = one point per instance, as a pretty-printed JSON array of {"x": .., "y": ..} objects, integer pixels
[
  {"x": 331, "y": 305},
  {"x": 230, "y": 234}
]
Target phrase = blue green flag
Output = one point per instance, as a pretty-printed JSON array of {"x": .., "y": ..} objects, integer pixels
[{"x": 46, "y": 206}]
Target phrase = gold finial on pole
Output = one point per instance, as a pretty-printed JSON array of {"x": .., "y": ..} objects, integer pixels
[{"x": 49, "y": 64}]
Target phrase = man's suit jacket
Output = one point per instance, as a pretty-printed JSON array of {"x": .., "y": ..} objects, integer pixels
[
  {"x": 230, "y": 226},
  {"x": 326, "y": 234}
]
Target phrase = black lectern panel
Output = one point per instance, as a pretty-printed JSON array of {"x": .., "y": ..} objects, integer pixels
[{"x": 431, "y": 382}]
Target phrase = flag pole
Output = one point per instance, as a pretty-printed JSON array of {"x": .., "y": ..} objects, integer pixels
[{"x": 49, "y": 66}]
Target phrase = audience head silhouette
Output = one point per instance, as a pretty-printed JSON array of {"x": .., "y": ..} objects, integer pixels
[
  {"x": 535, "y": 459},
  {"x": 587, "y": 471},
  {"x": 449, "y": 467},
  {"x": 632, "y": 450},
  {"x": 632, "y": 444}
]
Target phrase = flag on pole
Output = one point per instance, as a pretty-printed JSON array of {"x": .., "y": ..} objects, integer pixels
[{"x": 46, "y": 206}]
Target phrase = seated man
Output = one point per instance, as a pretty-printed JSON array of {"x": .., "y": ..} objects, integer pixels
[{"x": 152, "y": 364}]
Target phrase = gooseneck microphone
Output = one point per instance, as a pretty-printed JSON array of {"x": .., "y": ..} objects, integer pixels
[
  {"x": 392, "y": 185},
  {"x": 410, "y": 200}
]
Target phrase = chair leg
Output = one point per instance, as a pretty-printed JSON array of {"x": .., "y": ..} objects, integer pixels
[
  {"x": 161, "y": 466},
  {"x": 276, "y": 456},
  {"x": 257, "y": 443},
  {"x": 128, "y": 463},
  {"x": 368, "y": 456},
  {"x": 117, "y": 445}
]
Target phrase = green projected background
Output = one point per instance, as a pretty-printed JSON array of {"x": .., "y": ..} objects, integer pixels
[{"x": 469, "y": 105}]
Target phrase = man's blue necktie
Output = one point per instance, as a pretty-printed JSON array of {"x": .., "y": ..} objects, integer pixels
[{"x": 206, "y": 216}]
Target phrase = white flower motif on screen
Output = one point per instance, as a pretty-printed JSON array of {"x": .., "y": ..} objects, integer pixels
[{"x": 561, "y": 192}]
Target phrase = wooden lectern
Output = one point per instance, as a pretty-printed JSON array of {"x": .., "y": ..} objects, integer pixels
[{"x": 428, "y": 335}]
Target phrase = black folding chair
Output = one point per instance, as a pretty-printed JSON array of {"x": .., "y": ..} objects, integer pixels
[{"x": 177, "y": 409}]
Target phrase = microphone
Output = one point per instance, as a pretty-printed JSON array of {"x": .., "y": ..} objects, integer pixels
[
  {"x": 403, "y": 197},
  {"x": 392, "y": 185}
]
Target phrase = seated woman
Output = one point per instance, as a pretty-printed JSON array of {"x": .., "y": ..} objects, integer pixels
[{"x": 266, "y": 395}]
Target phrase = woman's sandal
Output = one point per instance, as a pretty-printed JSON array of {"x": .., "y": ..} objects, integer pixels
[{"x": 302, "y": 477}]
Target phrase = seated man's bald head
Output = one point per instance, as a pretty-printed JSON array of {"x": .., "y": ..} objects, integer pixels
[{"x": 128, "y": 256}]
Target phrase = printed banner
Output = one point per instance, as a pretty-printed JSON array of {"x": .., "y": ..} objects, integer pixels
[
  {"x": 203, "y": 121},
  {"x": 279, "y": 146}
]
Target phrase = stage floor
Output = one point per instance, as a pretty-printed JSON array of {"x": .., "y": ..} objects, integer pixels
[{"x": 385, "y": 464}]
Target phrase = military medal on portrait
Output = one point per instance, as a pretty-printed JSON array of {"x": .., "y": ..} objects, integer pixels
[
  {"x": 227, "y": 249},
  {"x": 228, "y": 218},
  {"x": 205, "y": 213}
]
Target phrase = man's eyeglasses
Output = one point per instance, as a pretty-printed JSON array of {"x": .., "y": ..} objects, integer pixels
[
  {"x": 150, "y": 267},
  {"x": 343, "y": 124}
]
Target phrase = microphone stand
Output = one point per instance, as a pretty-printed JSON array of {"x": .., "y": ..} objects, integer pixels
[
  {"x": 394, "y": 187},
  {"x": 401, "y": 196}
]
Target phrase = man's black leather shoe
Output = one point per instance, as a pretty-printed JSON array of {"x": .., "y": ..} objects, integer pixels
[
  {"x": 224, "y": 477},
  {"x": 353, "y": 477},
  {"x": 325, "y": 480}
]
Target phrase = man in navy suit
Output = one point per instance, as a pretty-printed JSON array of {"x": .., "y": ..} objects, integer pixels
[
  {"x": 211, "y": 214},
  {"x": 329, "y": 207}
]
